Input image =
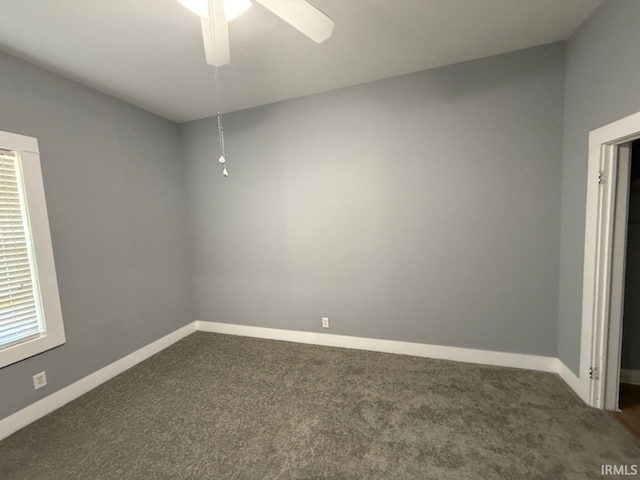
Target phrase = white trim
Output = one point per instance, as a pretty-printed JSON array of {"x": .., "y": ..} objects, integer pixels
[
  {"x": 52, "y": 402},
  {"x": 612, "y": 336},
  {"x": 45, "y": 283},
  {"x": 484, "y": 357},
  {"x": 573, "y": 381},
  {"x": 620, "y": 131},
  {"x": 18, "y": 143},
  {"x": 598, "y": 251},
  {"x": 630, "y": 376}
]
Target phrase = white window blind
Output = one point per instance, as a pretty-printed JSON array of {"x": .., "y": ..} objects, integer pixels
[{"x": 20, "y": 311}]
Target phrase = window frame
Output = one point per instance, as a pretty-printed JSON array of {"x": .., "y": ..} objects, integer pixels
[{"x": 46, "y": 278}]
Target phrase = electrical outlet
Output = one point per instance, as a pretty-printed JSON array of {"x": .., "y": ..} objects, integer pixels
[
  {"x": 325, "y": 322},
  {"x": 39, "y": 380}
]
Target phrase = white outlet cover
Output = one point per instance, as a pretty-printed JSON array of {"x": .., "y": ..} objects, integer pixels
[
  {"x": 39, "y": 380},
  {"x": 325, "y": 322}
]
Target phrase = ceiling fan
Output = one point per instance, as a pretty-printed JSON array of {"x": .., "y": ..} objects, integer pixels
[{"x": 214, "y": 15}]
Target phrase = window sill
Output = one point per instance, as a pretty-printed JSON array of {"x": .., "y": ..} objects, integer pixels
[{"x": 30, "y": 347}]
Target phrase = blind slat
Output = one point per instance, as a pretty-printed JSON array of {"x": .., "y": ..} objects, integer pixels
[
  {"x": 20, "y": 324},
  {"x": 17, "y": 280},
  {"x": 10, "y": 272},
  {"x": 19, "y": 306},
  {"x": 19, "y": 334},
  {"x": 15, "y": 339},
  {"x": 18, "y": 317},
  {"x": 24, "y": 315},
  {"x": 17, "y": 310},
  {"x": 22, "y": 298},
  {"x": 27, "y": 316}
]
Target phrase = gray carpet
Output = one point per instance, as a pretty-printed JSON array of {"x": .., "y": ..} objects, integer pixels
[{"x": 222, "y": 407}]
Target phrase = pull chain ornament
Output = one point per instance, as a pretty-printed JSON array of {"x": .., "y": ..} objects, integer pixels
[{"x": 222, "y": 160}]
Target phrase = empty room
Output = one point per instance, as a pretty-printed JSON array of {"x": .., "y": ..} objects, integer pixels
[{"x": 319, "y": 239}]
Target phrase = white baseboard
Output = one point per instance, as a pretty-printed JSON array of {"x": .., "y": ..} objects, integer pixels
[
  {"x": 630, "y": 376},
  {"x": 52, "y": 402},
  {"x": 458, "y": 354},
  {"x": 573, "y": 381},
  {"x": 485, "y": 357},
  {"x": 63, "y": 396}
]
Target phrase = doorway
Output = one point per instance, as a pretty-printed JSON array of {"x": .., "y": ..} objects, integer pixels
[
  {"x": 609, "y": 190},
  {"x": 629, "y": 364}
]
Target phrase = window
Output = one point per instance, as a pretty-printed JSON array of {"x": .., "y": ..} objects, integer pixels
[{"x": 30, "y": 313}]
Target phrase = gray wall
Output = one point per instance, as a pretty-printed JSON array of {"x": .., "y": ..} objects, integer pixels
[
  {"x": 420, "y": 208},
  {"x": 115, "y": 193},
  {"x": 602, "y": 85}
]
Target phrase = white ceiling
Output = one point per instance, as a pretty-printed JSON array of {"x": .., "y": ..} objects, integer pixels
[{"x": 150, "y": 52}]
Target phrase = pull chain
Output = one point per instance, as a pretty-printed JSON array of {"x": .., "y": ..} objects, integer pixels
[{"x": 222, "y": 160}]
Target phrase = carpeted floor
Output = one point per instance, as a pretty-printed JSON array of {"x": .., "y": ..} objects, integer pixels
[{"x": 222, "y": 407}]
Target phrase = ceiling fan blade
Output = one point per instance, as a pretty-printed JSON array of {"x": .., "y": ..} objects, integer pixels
[
  {"x": 215, "y": 33},
  {"x": 302, "y": 15}
]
